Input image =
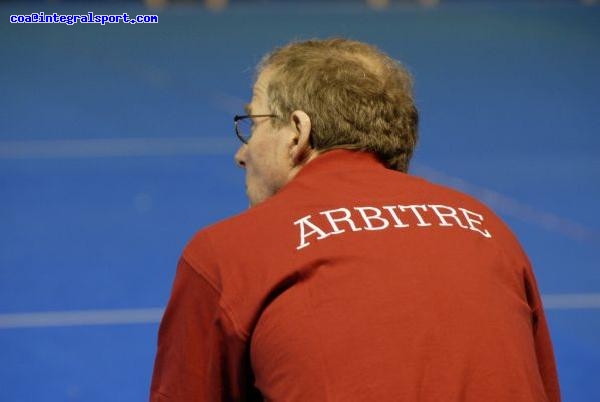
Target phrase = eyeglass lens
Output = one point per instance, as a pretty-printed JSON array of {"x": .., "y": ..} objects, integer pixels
[{"x": 244, "y": 127}]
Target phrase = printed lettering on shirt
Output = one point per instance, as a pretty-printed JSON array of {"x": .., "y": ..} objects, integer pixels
[
  {"x": 467, "y": 215},
  {"x": 450, "y": 213},
  {"x": 345, "y": 217},
  {"x": 399, "y": 223},
  {"x": 305, "y": 222},
  {"x": 337, "y": 221},
  {"x": 414, "y": 208},
  {"x": 374, "y": 215}
]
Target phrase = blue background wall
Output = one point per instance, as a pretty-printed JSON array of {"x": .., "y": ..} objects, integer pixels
[{"x": 116, "y": 145}]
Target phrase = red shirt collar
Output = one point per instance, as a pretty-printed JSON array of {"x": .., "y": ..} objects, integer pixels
[{"x": 341, "y": 159}]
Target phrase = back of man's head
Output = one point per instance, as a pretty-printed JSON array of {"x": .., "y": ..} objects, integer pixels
[{"x": 356, "y": 96}]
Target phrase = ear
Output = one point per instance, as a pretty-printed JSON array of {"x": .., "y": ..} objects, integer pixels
[{"x": 300, "y": 149}]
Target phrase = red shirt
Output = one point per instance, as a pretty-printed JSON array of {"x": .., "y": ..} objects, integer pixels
[{"x": 356, "y": 283}]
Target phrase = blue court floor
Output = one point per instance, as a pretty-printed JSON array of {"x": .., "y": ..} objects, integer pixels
[{"x": 116, "y": 145}]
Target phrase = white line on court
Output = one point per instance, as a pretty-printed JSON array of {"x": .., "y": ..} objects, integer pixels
[
  {"x": 571, "y": 301},
  {"x": 81, "y": 317},
  {"x": 153, "y": 315},
  {"x": 115, "y": 147}
]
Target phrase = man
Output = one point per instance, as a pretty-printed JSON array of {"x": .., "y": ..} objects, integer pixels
[{"x": 347, "y": 279}]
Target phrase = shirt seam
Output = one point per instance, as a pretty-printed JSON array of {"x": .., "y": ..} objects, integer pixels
[
  {"x": 161, "y": 394},
  {"x": 225, "y": 308}
]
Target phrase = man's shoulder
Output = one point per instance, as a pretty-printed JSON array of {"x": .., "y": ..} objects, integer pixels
[
  {"x": 236, "y": 236},
  {"x": 258, "y": 219}
]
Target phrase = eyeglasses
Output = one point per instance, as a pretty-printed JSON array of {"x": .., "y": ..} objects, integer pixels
[{"x": 244, "y": 125}]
